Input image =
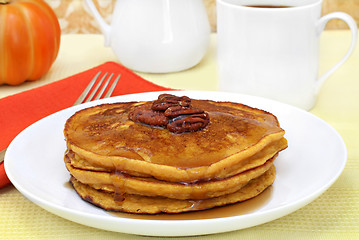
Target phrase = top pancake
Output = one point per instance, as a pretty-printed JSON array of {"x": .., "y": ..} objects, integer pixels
[{"x": 235, "y": 132}]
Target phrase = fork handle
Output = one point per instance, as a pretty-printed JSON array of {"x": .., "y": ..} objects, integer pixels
[
  {"x": 4, "y": 180},
  {"x": 2, "y": 155}
]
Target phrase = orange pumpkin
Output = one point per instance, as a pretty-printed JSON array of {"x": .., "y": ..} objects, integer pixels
[{"x": 29, "y": 40}]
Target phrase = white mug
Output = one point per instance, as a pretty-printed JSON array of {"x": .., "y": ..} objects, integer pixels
[
  {"x": 156, "y": 36},
  {"x": 273, "y": 52}
]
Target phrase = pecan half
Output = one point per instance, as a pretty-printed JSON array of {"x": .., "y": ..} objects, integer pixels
[
  {"x": 187, "y": 124},
  {"x": 148, "y": 116},
  {"x": 165, "y": 101},
  {"x": 175, "y": 111}
]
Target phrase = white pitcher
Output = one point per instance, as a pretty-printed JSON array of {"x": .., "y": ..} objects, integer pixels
[{"x": 156, "y": 36}]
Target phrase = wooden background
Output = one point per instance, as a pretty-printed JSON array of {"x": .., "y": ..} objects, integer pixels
[{"x": 74, "y": 17}]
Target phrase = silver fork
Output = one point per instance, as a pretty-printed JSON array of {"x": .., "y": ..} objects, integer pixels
[{"x": 92, "y": 90}]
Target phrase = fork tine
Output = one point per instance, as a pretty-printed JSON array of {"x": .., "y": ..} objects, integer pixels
[
  {"x": 110, "y": 91},
  {"x": 93, "y": 92},
  {"x": 87, "y": 89},
  {"x": 103, "y": 88}
]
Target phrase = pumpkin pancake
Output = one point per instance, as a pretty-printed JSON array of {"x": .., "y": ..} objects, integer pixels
[
  {"x": 251, "y": 162},
  {"x": 125, "y": 183},
  {"x": 105, "y": 137},
  {"x": 153, "y": 205}
]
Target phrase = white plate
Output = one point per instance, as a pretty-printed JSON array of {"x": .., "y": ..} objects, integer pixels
[{"x": 315, "y": 158}]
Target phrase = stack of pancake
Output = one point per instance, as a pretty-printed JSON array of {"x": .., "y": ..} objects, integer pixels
[{"x": 122, "y": 165}]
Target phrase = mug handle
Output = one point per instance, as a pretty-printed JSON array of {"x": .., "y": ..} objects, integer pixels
[
  {"x": 105, "y": 28},
  {"x": 353, "y": 28}
]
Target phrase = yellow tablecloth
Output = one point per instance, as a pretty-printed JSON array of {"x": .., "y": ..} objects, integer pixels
[{"x": 334, "y": 215}]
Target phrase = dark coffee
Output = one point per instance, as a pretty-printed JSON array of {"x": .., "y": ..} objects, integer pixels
[{"x": 267, "y": 6}]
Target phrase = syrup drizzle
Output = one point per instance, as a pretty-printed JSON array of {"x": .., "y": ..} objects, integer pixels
[{"x": 118, "y": 180}]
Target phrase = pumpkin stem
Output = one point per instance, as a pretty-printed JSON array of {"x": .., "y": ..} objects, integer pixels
[{"x": 4, "y": 1}]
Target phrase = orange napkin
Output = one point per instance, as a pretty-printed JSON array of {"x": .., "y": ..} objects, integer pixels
[{"x": 21, "y": 110}]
